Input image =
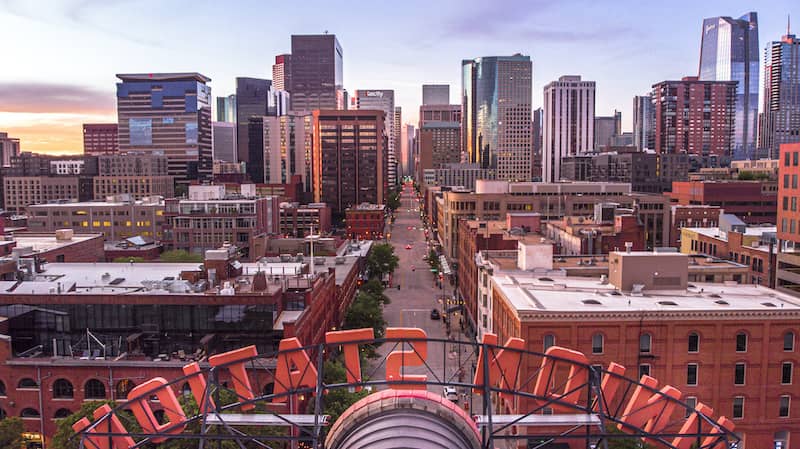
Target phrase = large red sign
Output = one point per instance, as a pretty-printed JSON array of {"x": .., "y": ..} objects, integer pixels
[{"x": 644, "y": 409}]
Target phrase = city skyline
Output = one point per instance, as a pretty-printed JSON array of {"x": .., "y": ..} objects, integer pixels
[{"x": 616, "y": 51}]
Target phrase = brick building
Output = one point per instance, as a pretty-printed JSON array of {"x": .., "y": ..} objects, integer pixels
[
  {"x": 116, "y": 220},
  {"x": 788, "y": 220},
  {"x": 695, "y": 117},
  {"x": 22, "y": 191},
  {"x": 136, "y": 175},
  {"x": 734, "y": 348},
  {"x": 132, "y": 308},
  {"x": 100, "y": 138},
  {"x": 692, "y": 216},
  {"x": 210, "y": 218},
  {"x": 60, "y": 246},
  {"x": 298, "y": 220},
  {"x": 755, "y": 202},
  {"x": 365, "y": 221}
]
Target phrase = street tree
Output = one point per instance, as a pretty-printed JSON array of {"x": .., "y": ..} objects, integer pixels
[
  {"x": 11, "y": 432},
  {"x": 382, "y": 260}
]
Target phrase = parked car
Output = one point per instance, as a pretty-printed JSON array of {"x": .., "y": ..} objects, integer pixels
[
  {"x": 451, "y": 393},
  {"x": 435, "y": 314}
]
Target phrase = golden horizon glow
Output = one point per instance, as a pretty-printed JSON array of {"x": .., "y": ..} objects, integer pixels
[{"x": 50, "y": 133}]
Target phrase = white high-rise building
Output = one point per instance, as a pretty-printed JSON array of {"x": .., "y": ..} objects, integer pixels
[
  {"x": 382, "y": 100},
  {"x": 568, "y": 127}
]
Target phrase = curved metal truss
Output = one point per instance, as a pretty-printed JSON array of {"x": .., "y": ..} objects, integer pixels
[{"x": 573, "y": 408}]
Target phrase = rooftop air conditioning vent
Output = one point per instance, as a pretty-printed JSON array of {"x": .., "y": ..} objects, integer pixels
[
  {"x": 768, "y": 304},
  {"x": 546, "y": 279},
  {"x": 593, "y": 302},
  {"x": 714, "y": 295},
  {"x": 668, "y": 303},
  {"x": 721, "y": 302}
]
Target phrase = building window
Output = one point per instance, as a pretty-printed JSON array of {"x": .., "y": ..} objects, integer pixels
[
  {"x": 691, "y": 403},
  {"x": 738, "y": 374},
  {"x": 27, "y": 382},
  {"x": 94, "y": 389},
  {"x": 597, "y": 344},
  {"x": 191, "y": 133},
  {"x": 30, "y": 413},
  {"x": 694, "y": 342},
  {"x": 124, "y": 387},
  {"x": 738, "y": 407},
  {"x": 783, "y": 410},
  {"x": 788, "y": 341},
  {"x": 691, "y": 374},
  {"x": 741, "y": 342},
  {"x": 786, "y": 373},
  {"x": 549, "y": 340},
  {"x": 644, "y": 370},
  {"x": 645, "y": 343},
  {"x": 62, "y": 389},
  {"x": 62, "y": 413},
  {"x": 141, "y": 131}
]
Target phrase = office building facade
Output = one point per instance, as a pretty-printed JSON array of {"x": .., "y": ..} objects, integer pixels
[
  {"x": 606, "y": 129},
  {"x": 382, "y": 100},
  {"x": 729, "y": 52},
  {"x": 224, "y": 141},
  {"x": 568, "y": 122},
  {"x": 643, "y": 122},
  {"x": 100, "y": 138},
  {"x": 435, "y": 94},
  {"x": 780, "y": 122},
  {"x": 316, "y": 73},
  {"x": 252, "y": 100},
  {"x": 9, "y": 148},
  {"x": 282, "y": 148},
  {"x": 226, "y": 109},
  {"x": 282, "y": 72},
  {"x": 167, "y": 114},
  {"x": 695, "y": 117},
  {"x": 496, "y": 104},
  {"x": 349, "y": 167}
]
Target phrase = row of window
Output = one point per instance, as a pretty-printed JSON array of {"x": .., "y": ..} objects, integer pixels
[{"x": 693, "y": 342}]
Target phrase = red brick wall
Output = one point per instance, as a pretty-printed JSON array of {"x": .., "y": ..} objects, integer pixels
[{"x": 788, "y": 172}]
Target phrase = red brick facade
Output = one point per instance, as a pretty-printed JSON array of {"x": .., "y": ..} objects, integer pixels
[
  {"x": 754, "y": 202},
  {"x": 365, "y": 223}
]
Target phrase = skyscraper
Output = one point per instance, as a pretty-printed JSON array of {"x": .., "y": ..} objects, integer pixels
[
  {"x": 253, "y": 99},
  {"x": 100, "y": 138},
  {"x": 397, "y": 136},
  {"x": 382, "y": 100},
  {"x": 568, "y": 127},
  {"x": 643, "y": 122},
  {"x": 694, "y": 117},
  {"x": 606, "y": 129},
  {"x": 780, "y": 122},
  {"x": 224, "y": 134},
  {"x": 283, "y": 148},
  {"x": 496, "y": 106},
  {"x": 226, "y": 109},
  {"x": 536, "y": 145},
  {"x": 439, "y": 137},
  {"x": 9, "y": 148},
  {"x": 316, "y": 73},
  {"x": 729, "y": 52},
  {"x": 167, "y": 114},
  {"x": 349, "y": 166},
  {"x": 435, "y": 94},
  {"x": 282, "y": 72}
]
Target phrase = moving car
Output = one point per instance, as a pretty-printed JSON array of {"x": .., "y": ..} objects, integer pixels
[
  {"x": 435, "y": 314},
  {"x": 451, "y": 393},
  {"x": 408, "y": 246}
]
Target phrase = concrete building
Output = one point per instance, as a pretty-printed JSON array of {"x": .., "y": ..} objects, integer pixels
[
  {"x": 20, "y": 192},
  {"x": 643, "y": 123},
  {"x": 752, "y": 246},
  {"x": 569, "y": 108},
  {"x": 210, "y": 218},
  {"x": 461, "y": 175},
  {"x": 645, "y": 171},
  {"x": 735, "y": 346},
  {"x": 536, "y": 134},
  {"x": 695, "y": 117},
  {"x": 135, "y": 175},
  {"x": 66, "y": 166},
  {"x": 9, "y": 148},
  {"x": 397, "y": 137},
  {"x": 365, "y": 221},
  {"x": 595, "y": 236},
  {"x": 729, "y": 52},
  {"x": 755, "y": 202},
  {"x": 301, "y": 220},
  {"x": 382, "y": 100},
  {"x": 316, "y": 73},
  {"x": 349, "y": 167},
  {"x": 496, "y": 108},
  {"x": 283, "y": 144},
  {"x": 253, "y": 100},
  {"x": 226, "y": 109},
  {"x": 282, "y": 72},
  {"x": 100, "y": 138},
  {"x": 167, "y": 114},
  {"x": 435, "y": 94},
  {"x": 225, "y": 148},
  {"x": 412, "y": 153},
  {"x": 606, "y": 129},
  {"x": 116, "y": 220},
  {"x": 440, "y": 137},
  {"x": 492, "y": 200},
  {"x": 780, "y": 120},
  {"x": 60, "y": 246}
]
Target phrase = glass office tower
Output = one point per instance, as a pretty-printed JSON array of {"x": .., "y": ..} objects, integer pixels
[{"x": 729, "y": 52}]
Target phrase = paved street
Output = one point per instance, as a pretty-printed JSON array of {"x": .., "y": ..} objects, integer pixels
[{"x": 411, "y": 305}]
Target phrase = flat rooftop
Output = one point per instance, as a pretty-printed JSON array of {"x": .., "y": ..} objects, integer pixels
[
  {"x": 41, "y": 243},
  {"x": 101, "y": 204},
  {"x": 184, "y": 76},
  {"x": 528, "y": 292}
]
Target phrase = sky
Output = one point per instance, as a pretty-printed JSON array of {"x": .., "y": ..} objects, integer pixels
[{"x": 60, "y": 57}]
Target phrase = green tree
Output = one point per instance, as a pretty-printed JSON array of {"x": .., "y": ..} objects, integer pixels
[
  {"x": 752, "y": 176},
  {"x": 375, "y": 288},
  {"x": 365, "y": 312},
  {"x": 180, "y": 255},
  {"x": 382, "y": 260},
  {"x": 336, "y": 401},
  {"x": 433, "y": 261},
  {"x": 11, "y": 432},
  {"x": 393, "y": 200},
  {"x": 128, "y": 259}
]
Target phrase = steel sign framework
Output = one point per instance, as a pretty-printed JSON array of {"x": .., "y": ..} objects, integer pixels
[{"x": 564, "y": 399}]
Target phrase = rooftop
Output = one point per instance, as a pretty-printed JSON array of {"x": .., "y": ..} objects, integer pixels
[
  {"x": 40, "y": 243},
  {"x": 143, "y": 202},
  {"x": 163, "y": 77},
  {"x": 367, "y": 206}
]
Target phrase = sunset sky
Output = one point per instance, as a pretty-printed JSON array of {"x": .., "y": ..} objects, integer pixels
[{"x": 60, "y": 57}]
